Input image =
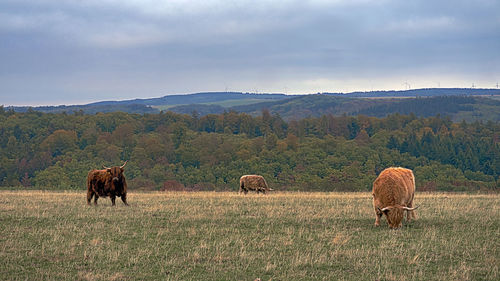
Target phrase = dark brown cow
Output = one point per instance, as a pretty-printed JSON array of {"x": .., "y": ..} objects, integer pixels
[
  {"x": 393, "y": 193},
  {"x": 253, "y": 182},
  {"x": 108, "y": 182}
]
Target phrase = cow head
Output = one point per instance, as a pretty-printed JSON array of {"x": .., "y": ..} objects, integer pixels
[
  {"x": 394, "y": 214},
  {"x": 116, "y": 173}
]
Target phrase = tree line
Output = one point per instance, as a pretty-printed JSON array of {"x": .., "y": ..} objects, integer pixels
[{"x": 187, "y": 151}]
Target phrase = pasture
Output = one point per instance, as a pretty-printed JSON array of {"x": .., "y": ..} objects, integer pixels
[{"x": 226, "y": 236}]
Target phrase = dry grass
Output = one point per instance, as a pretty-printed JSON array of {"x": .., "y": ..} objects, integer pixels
[{"x": 226, "y": 236}]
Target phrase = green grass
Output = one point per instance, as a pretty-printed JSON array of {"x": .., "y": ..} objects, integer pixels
[
  {"x": 223, "y": 103},
  {"x": 226, "y": 236},
  {"x": 236, "y": 102},
  {"x": 165, "y": 107}
]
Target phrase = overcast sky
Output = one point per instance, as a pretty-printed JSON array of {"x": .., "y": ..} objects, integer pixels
[{"x": 72, "y": 52}]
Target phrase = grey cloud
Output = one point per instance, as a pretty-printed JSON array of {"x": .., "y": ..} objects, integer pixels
[{"x": 181, "y": 46}]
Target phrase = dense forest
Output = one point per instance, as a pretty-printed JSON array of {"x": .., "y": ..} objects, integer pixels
[{"x": 187, "y": 151}]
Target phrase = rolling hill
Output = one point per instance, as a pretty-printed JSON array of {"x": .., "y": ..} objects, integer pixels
[
  {"x": 459, "y": 104},
  {"x": 468, "y": 108}
]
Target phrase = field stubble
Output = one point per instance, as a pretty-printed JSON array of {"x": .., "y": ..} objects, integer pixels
[{"x": 226, "y": 236}]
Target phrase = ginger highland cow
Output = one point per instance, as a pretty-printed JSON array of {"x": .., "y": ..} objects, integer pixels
[{"x": 393, "y": 193}]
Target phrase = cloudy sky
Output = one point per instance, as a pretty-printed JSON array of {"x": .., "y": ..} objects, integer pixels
[{"x": 72, "y": 52}]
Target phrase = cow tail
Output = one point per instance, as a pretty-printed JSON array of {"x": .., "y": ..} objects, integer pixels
[{"x": 88, "y": 183}]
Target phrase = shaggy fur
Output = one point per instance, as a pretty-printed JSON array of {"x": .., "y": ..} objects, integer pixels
[
  {"x": 253, "y": 182},
  {"x": 108, "y": 182},
  {"x": 393, "y": 190}
]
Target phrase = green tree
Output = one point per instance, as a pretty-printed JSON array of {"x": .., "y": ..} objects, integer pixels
[{"x": 59, "y": 142}]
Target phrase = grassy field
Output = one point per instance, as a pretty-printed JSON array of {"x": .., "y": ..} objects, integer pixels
[
  {"x": 226, "y": 236},
  {"x": 223, "y": 103}
]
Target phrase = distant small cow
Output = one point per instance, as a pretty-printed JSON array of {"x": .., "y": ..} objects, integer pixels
[
  {"x": 393, "y": 193},
  {"x": 253, "y": 182},
  {"x": 108, "y": 182}
]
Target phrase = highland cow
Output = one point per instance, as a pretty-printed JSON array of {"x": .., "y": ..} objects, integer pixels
[
  {"x": 393, "y": 193},
  {"x": 253, "y": 182},
  {"x": 108, "y": 182}
]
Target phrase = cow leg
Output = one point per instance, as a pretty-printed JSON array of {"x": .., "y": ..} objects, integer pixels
[
  {"x": 242, "y": 188},
  {"x": 410, "y": 214},
  {"x": 96, "y": 196},
  {"x": 90, "y": 194},
  {"x": 378, "y": 215},
  {"x": 124, "y": 199},
  {"x": 113, "y": 198}
]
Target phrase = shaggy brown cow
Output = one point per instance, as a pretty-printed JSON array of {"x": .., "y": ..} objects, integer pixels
[
  {"x": 393, "y": 193},
  {"x": 108, "y": 182},
  {"x": 253, "y": 182}
]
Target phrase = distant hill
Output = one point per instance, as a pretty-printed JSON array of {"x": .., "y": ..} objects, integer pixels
[
  {"x": 468, "y": 108},
  {"x": 201, "y": 109},
  {"x": 426, "y": 92},
  {"x": 459, "y": 104},
  {"x": 310, "y": 106},
  {"x": 155, "y": 105},
  {"x": 89, "y": 108},
  {"x": 197, "y": 98},
  {"x": 427, "y": 106}
]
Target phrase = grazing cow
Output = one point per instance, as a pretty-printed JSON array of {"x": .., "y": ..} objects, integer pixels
[
  {"x": 108, "y": 182},
  {"x": 393, "y": 193},
  {"x": 253, "y": 182}
]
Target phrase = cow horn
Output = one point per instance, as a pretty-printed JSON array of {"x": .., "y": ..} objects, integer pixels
[
  {"x": 397, "y": 206},
  {"x": 121, "y": 167},
  {"x": 105, "y": 168},
  {"x": 386, "y": 208}
]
